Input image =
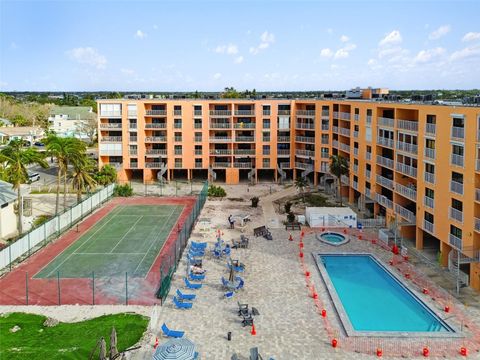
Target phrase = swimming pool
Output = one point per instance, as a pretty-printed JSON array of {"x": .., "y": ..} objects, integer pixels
[
  {"x": 371, "y": 301},
  {"x": 332, "y": 238}
]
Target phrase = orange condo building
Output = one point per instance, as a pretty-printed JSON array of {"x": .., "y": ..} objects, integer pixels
[{"x": 417, "y": 165}]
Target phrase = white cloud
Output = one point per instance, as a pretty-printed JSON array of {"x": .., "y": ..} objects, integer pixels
[
  {"x": 350, "y": 47},
  {"x": 392, "y": 38},
  {"x": 391, "y": 52},
  {"x": 139, "y": 34},
  {"x": 127, "y": 71},
  {"x": 238, "y": 60},
  {"x": 230, "y": 49},
  {"x": 344, "y": 38},
  {"x": 217, "y": 76},
  {"x": 327, "y": 53},
  {"x": 468, "y": 52},
  {"x": 440, "y": 32},
  {"x": 471, "y": 36},
  {"x": 266, "y": 39},
  {"x": 424, "y": 56},
  {"x": 341, "y": 54},
  {"x": 88, "y": 56},
  {"x": 372, "y": 62}
]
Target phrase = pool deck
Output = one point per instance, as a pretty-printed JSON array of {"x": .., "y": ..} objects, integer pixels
[{"x": 290, "y": 325}]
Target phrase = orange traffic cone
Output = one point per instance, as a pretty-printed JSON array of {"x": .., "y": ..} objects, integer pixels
[
  {"x": 253, "y": 330},
  {"x": 156, "y": 343},
  {"x": 290, "y": 237}
]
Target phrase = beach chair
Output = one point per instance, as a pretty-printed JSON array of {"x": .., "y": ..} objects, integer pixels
[
  {"x": 194, "y": 253},
  {"x": 192, "y": 261},
  {"x": 254, "y": 354},
  {"x": 227, "y": 251},
  {"x": 247, "y": 320},
  {"x": 181, "y": 305},
  {"x": 229, "y": 294},
  {"x": 242, "y": 309},
  {"x": 196, "y": 277},
  {"x": 183, "y": 296},
  {"x": 217, "y": 253},
  {"x": 198, "y": 246},
  {"x": 191, "y": 286},
  {"x": 171, "y": 333},
  {"x": 241, "y": 283}
]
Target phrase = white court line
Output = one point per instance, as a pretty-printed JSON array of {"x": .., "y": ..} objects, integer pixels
[
  {"x": 110, "y": 253},
  {"x": 123, "y": 237},
  {"x": 73, "y": 253},
  {"x": 155, "y": 241}
]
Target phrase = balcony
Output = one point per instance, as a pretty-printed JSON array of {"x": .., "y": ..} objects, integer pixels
[
  {"x": 242, "y": 165},
  {"x": 356, "y": 117},
  {"x": 429, "y": 177},
  {"x": 283, "y": 139},
  {"x": 220, "y": 125},
  {"x": 385, "y": 182},
  {"x": 197, "y": 125},
  {"x": 345, "y": 180},
  {"x": 132, "y": 139},
  {"x": 355, "y": 151},
  {"x": 325, "y": 155},
  {"x": 198, "y": 165},
  {"x": 153, "y": 165},
  {"x": 369, "y": 119},
  {"x": 198, "y": 152},
  {"x": 325, "y": 113},
  {"x": 406, "y": 169},
  {"x": 355, "y": 168},
  {"x": 266, "y": 112},
  {"x": 428, "y": 202},
  {"x": 156, "y": 112},
  {"x": 335, "y": 129},
  {"x": 386, "y": 162},
  {"x": 244, "y": 138},
  {"x": 303, "y": 166},
  {"x": 244, "y": 152},
  {"x": 386, "y": 142},
  {"x": 458, "y": 132},
  {"x": 156, "y": 152},
  {"x": 221, "y": 165},
  {"x": 305, "y": 153},
  {"x": 155, "y": 139},
  {"x": 345, "y": 147},
  {"x": 266, "y": 125},
  {"x": 428, "y": 226},
  {"x": 324, "y": 168},
  {"x": 304, "y": 125},
  {"x": 283, "y": 112},
  {"x": 177, "y": 138},
  {"x": 368, "y": 155},
  {"x": 455, "y": 241},
  {"x": 113, "y": 139},
  {"x": 368, "y": 174},
  {"x": 132, "y": 152},
  {"x": 178, "y": 152},
  {"x": 284, "y": 165},
  {"x": 305, "y": 139},
  {"x": 197, "y": 113},
  {"x": 355, "y": 134},
  {"x": 325, "y": 127},
  {"x": 197, "y": 139},
  {"x": 457, "y": 160},
  {"x": 220, "y": 113},
  {"x": 355, "y": 185},
  {"x": 155, "y": 125},
  {"x": 110, "y": 125},
  {"x": 220, "y": 152},
  {"x": 477, "y": 224},
  {"x": 456, "y": 187},
  {"x": 344, "y": 116},
  {"x": 344, "y": 131},
  {"x": 382, "y": 121},
  {"x": 266, "y": 138},
  {"x": 430, "y": 153},
  {"x": 283, "y": 152},
  {"x": 407, "y": 125},
  {"x": 132, "y": 125},
  {"x": 405, "y": 213},
  {"x": 455, "y": 214},
  {"x": 134, "y": 165},
  {"x": 110, "y": 114},
  {"x": 242, "y": 125},
  {"x": 178, "y": 165},
  {"x": 407, "y": 147},
  {"x": 407, "y": 192},
  {"x": 335, "y": 144},
  {"x": 430, "y": 129},
  {"x": 177, "y": 112},
  {"x": 368, "y": 193},
  {"x": 220, "y": 139},
  {"x": 305, "y": 113},
  {"x": 109, "y": 152},
  {"x": 477, "y": 195},
  {"x": 383, "y": 200}
]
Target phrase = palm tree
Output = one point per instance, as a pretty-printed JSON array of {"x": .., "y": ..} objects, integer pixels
[
  {"x": 301, "y": 184},
  {"x": 65, "y": 150},
  {"x": 339, "y": 167},
  {"x": 81, "y": 175},
  {"x": 15, "y": 159}
]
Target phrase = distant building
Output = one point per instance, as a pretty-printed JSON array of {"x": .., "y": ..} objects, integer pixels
[
  {"x": 71, "y": 120},
  {"x": 8, "y": 222},
  {"x": 366, "y": 94},
  {"x": 26, "y": 133}
]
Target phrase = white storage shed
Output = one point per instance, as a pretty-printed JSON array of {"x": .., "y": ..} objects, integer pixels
[{"x": 331, "y": 217}]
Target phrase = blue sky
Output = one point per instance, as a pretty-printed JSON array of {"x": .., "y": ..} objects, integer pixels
[{"x": 269, "y": 45}]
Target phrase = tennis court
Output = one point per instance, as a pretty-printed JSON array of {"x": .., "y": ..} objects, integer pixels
[{"x": 126, "y": 240}]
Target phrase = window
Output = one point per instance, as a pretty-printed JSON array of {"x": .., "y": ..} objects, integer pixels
[
  {"x": 457, "y": 204},
  {"x": 428, "y": 217},
  {"x": 457, "y": 150},
  {"x": 457, "y": 177},
  {"x": 458, "y": 122},
  {"x": 178, "y": 149},
  {"x": 198, "y": 123},
  {"x": 357, "y": 111},
  {"x": 198, "y": 136},
  {"x": 266, "y": 163},
  {"x": 430, "y": 144},
  {"x": 198, "y": 150},
  {"x": 431, "y": 119},
  {"x": 429, "y": 168},
  {"x": 266, "y": 149},
  {"x": 368, "y": 134},
  {"x": 455, "y": 231},
  {"x": 266, "y": 123},
  {"x": 177, "y": 123},
  {"x": 284, "y": 123},
  {"x": 178, "y": 136},
  {"x": 110, "y": 109},
  {"x": 266, "y": 136},
  {"x": 324, "y": 138}
]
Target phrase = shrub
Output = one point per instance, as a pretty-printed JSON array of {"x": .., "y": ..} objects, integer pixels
[
  {"x": 107, "y": 175},
  {"x": 290, "y": 217},
  {"x": 287, "y": 206},
  {"x": 40, "y": 220},
  {"x": 123, "y": 190},
  {"x": 255, "y": 200},
  {"x": 216, "y": 191}
]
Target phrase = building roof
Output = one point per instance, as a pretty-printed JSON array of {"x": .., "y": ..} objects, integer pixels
[
  {"x": 73, "y": 112},
  {"x": 21, "y": 131},
  {"x": 5, "y": 122},
  {"x": 7, "y": 195}
]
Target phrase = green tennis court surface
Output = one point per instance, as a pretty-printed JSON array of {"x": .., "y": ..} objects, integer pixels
[{"x": 127, "y": 240}]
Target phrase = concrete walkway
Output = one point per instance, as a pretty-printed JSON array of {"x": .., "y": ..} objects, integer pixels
[{"x": 272, "y": 219}]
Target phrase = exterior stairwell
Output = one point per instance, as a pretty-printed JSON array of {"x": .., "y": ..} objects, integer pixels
[
  {"x": 282, "y": 173},
  {"x": 212, "y": 174},
  {"x": 162, "y": 172},
  {"x": 251, "y": 175}
]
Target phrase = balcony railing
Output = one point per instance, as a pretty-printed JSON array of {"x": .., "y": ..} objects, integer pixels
[
  {"x": 385, "y": 182},
  {"x": 456, "y": 187},
  {"x": 307, "y": 139},
  {"x": 325, "y": 168},
  {"x": 344, "y": 131},
  {"x": 220, "y": 152},
  {"x": 457, "y": 160},
  {"x": 283, "y": 152},
  {"x": 303, "y": 166},
  {"x": 220, "y": 125},
  {"x": 455, "y": 241},
  {"x": 430, "y": 129},
  {"x": 244, "y": 138},
  {"x": 177, "y": 112},
  {"x": 111, "y": 139},
  {"x": 355, "y": 151},
  {"x": 430, "y": 153},
  {"x": 283, "y": 139},
  {"x": 153, "y": 165},
  {"x": 151, "y": 139},
  {"x": 405, "y": 213},
  {"x": 242, "y": 125},
  {"x": 407, "y": 125},
  {"x": 458, "y": 132},
  {"x": 383, "y": 161},
  {"x": 198, "y": 165},
  {"x": 221, "y": 164},
  {"x": 325, "y": 113},
  {"x": 178, "y": 165},
  {"x": 178, "y": 152},
  {"x": 220, "y": 113},
  {"x": 132, "y": 139},
  {"x": 477, "y": 224},
  {"x": 368, "y": 193},
  {"x": 109, "y": 152},
  {"x": 155, "y": 125},
  {"x": 132, "y": 152},
  {"x": 355, "y": 168},
  {"x": 429, "y": 177},
  {"x": 368, "y": 174},
  {"x": 345, "y": 147},
  {"x": 132, "y": 125},
  {"x": 306, "y": 153},
  {"x": 283, "y": 112},
  {"x": 133, "y": 165},
  {"x": 325, "y": 127},
  {"x": 404, "y": 146},
  {"x": 244, "y": 113},
  {"x": 305, "y": 113},
  {"x": 355, "y": 133},
  {"x": 428, "y": 226},
  {"x": 456, "y": 215},
  {"x": 325, "y": 155},
  {"x": 382, "y": 121},
  {"x": 355, "y": 185},
  {"x": 385, "y": 142},
  {"x": 197, "y": 139},
  {"x": 197, "y": 113},
  {"x": 369, "y": 119},
  {"x": 106, "y": 113},
  {"x": 406, "y": 169},
  {"x": 344, "y": 116},
  {"x": 356, "y": 117},
  {"x": 243, "y": 165},
  {"x": 266, "y": 112},
  {"x": 156, "y": 112},
  {"x": 408, "y": 192},
  {"x": 428, "y": 202},
  {"x": 335, "y": 129},
  {"x": 244, "y": 151},
  {"x": 383, "y": 200},
  {"x": 345, "y": 180},
  {"x": 177, "y": 138},
  {"x": 157, "y": 152},
  {"x": 304, "y": 125},
  {"x": 368, "y": 155},
  {"x": 110, "y": 125},
  {"x": 477, "y": 195},
  {"x": 477, "y": 165},
  {"x": 220, "y": 138},
  {"x": 197, "y": 125},
  {"x": 284, "y": 165}
]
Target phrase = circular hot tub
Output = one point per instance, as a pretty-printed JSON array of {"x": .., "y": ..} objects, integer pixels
[{"x": 332, "y": 238}]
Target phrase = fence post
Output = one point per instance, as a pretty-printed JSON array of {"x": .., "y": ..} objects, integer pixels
[
  {"x": 28, "y": 239},
  {"x": 176, "y": 188},
  {"x": 26, "y": 287},
  {"x": 58, "y": 286},
  {"x": 93, "y": 287},
  {"x": 126, "y": 288},
  {"x": 45, "y": 234},
  {"x": 10, "y": 256}
]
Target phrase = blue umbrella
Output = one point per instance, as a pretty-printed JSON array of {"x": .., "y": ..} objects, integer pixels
[{"x": 176, "y": 349}]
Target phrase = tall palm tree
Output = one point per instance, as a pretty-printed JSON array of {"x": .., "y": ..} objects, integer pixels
[
  {"x": 81, "y": 175},
  {"x": 15, "y": 159},
  {"x": 339, "y": 167},
  {"x": 301, "y": 184},
  {"x": 65, "y": 150}
]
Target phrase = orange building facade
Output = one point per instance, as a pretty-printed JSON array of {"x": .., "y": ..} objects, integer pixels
[{"x": 417, "y": 165}]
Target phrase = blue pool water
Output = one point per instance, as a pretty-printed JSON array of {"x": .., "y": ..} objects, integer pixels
[
  {"x": 333, "y": 238},
  {"x": 374, "y": 300}
]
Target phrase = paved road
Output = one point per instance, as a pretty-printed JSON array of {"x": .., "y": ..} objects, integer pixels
[{"x": 47, "y": 176}]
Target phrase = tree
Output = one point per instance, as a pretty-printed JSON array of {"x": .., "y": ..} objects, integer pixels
[
  {"x": 16, "y": 158},
  {"x": 81, "y": 175},
  {"x": 339, "y": 167},
  {"x": 107, "y": 175},
  {"x": 301, "y": 184},
  {"x": 65, "y": 150},
  {"x": 89, "y": 128}
]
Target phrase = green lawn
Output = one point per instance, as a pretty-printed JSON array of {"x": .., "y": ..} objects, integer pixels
[{"x": 66, "y": 340}]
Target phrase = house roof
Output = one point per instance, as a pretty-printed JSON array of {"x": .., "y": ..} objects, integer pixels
[
  {"x": 7, "y": 195},
  {"x": 5, "y": 122},
  {"x": 21, "y": 131},
  {"x": 73, "y": 112}
]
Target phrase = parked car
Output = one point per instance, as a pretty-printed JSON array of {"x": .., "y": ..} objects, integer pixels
[
  {"x": 38, "y": 143},
  {"x": 32, "y": 177}
]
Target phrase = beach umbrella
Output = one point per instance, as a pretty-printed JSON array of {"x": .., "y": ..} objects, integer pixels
[
  {"x": 103, "y": 350},
  {"x": 175, "y": 349},
  {"x": 113, "y": 343}
]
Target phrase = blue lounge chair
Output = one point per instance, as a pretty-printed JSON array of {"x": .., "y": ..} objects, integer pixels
[
  {"x": 235, "y": 268},
  {"x": 229, "y": 294},
  {"x": 196, "y": 277},
  {"x": 171, "y": 333},
  {"x": 199, "y": 246},
  {"x": 241, "y": 283},
  {"x": 227, "y": 250},
  {"x": 217, "y": 253},
  {"x": 193, "y": 261},
  {"x": 194, "y": 253},
  {"x": 183, "y": 296},
  {"x": 182, "y": 305},
  {"x": 189, "y": 285}
]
